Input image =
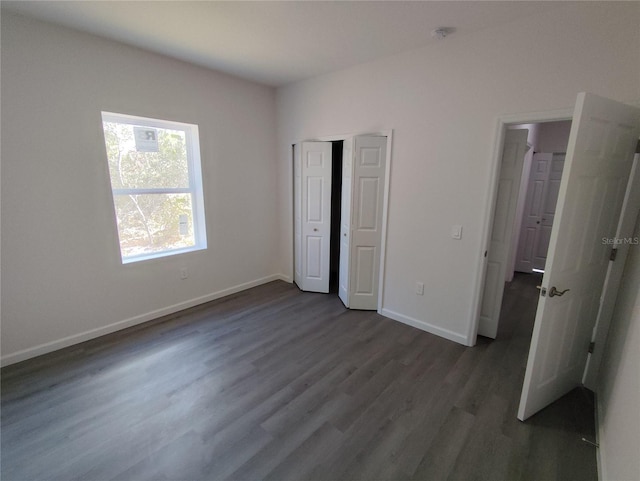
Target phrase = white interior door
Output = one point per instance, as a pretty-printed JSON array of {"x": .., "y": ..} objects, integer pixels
[
  {"x": 345, "y": 220},
  {"x": 312, "y": 215},
  {"x": 599, "y": 158},
  {"x": 530, "y": 230},
  {"x": 548, "y": 210},
  {"x": 366, "y": 220},
  {"x": 539, "y": 213},
  {"x": 515, "y": 146},
  {"x": 624, "y": 239}
]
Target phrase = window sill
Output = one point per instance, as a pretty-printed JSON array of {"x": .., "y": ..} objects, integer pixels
[{"x": 157, "y": 255}]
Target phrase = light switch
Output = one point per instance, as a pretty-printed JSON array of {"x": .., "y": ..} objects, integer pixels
[
  {"x": 456, "y": 231},
  {"x": 420, "y": 288}
]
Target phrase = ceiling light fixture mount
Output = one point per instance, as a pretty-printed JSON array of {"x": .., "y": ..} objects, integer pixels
[{"x": 441, "y": 32}]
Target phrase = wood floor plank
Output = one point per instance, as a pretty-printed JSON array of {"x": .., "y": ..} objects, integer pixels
[
  {"x": 440, "y": 459},
  {"x": 314, "y": 450},
  {"x": 275, "y": 452},
  {"x": 485, "y": 454},
  {"x": 273, "y": 383}
]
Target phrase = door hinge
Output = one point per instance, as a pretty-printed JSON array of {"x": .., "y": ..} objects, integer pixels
[
  {"x": 592, "y": 346},
  {"x": 614, "y": 253}
]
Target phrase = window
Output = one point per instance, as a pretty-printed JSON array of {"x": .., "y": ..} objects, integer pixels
[{"x": 156, "y": 182}]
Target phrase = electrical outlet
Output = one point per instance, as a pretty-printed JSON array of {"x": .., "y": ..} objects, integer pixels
[
  {"x": 420, "y": 288},
  {"x": 184, "y": 273}
]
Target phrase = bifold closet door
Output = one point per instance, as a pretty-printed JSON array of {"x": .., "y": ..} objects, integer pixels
[
  {"x": 368, "y": 180},
  {"x": 312, "y": 215},
  {"x": 345, "y": 220}
]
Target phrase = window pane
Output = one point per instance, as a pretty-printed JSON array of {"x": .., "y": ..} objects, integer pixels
[
  {"x": 144, "y": 157},
  {"x": 152, "y": 223}
]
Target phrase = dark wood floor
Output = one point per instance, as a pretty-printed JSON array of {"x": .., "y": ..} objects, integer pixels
[{"x": 275, "y": 384}]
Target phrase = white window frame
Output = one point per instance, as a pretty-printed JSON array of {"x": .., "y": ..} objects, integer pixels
[{"x": 195, "y": 189}]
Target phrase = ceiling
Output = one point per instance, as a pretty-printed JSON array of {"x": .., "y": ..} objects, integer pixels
[{"x": 275, "y": 42}]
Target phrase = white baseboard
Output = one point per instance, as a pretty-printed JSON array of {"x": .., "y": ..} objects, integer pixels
[
  {"x": 132, "y": 321},
  {"x": 425, "y": 326}
]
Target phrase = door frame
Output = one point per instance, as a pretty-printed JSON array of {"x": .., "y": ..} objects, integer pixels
[
  {"x": 490, "y": 203},
  {"x": 385, "y": 201}
]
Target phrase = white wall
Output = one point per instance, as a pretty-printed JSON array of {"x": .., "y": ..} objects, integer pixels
[
  {"x": 442, "y": 102},
  {"x": 62, "y": 277},
  {"x": 619, "y": 382}
]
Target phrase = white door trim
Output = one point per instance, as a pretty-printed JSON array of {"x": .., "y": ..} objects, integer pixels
[
  {"x": 500, "y": 129},
  {"x": 385, "y": 202}
]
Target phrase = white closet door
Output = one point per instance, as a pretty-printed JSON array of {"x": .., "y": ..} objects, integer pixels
[
  {"x": 297, "y": 215},
  {"x": 366, "y": 221},
  {"x": 345, "y": 220},
  {"x": 312, "y": 214}
]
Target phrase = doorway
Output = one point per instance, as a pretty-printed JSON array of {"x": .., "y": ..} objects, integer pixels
[
  {"x": 336, "y": 207},
  {"x": 538, "y": 197},
  {"x": 594, "y": 185},
  {"x": 340, "y": 195},
  {"x": 528, "y": 185}
]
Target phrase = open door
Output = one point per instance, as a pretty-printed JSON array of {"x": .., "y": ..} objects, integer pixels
[
  {"x": 312, "y": 215},
  {"x": 598, "y": 162},
  {"x": 369, "y": 164},
  {"x": 623, "y": 242},
  {"x": 515, "y": 146}
]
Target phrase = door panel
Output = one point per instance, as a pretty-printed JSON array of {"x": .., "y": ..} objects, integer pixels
[
  {"x": 368, "y": 203},
  {"x": 598, "y": 162},
  {"x": 540, "y": 205},
  {"x": 366, "y": 257},
  {"x": 627, "y": 229},
  {"x": 312, "y": 215},
  {"x": 315, "y": 205},
  {"x": 547, "y": 215},
  {"x": 345, "y": 220},
  {"x": 515, "y": 145},
  {"x": 314, "y": 257},
  {"x": 528, "y": 246},
  {"x": 297, "y": 215},
  {"x": 491, "y": 284},
  {"x": 366, "y": 222}
]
